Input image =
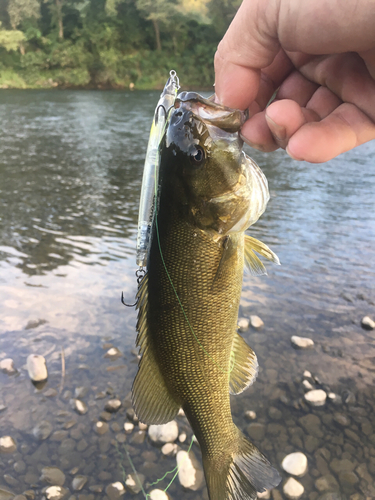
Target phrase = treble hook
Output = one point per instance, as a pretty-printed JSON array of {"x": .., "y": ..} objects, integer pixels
[{"x": 140, "y": 273}]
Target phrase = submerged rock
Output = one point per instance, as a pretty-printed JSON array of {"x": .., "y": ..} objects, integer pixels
[
  {"x": 115, "y": 491},
  {"x": 112, "y": 405},
  {"x": 79, "y": 482},
  {"x": 42, "y": 430},
  {"x": 301, "y": 342},
  {"x": 158, "y": 495},
  {"x": 7, "y": 366},
  {"x": 36, "y": 367},
  {"x": 166, "y": 433},
  {"x": 256, "y": 322},
  {"x": 190, "y": 473},
  {"x": 53, "y": 475},
  {"x": 243, "y": 324},
  {"x": 295, "y": 464},
  {"x": 293, "y": 489},
  {"x": 79, "y": 406},
  {"x": 316, "y": 397},
  {"x": 7, "y": 444},
  {"x": 56, "y": 493},
  {"x": 368, "y": 323},
  {"x": 134, "y": 482},
  {"x": 6, "y": 494}
]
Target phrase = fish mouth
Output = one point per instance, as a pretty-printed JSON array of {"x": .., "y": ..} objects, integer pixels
[{"x": 211, "y": 113}]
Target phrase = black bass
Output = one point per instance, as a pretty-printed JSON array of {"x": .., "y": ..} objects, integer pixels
[{"x": 191, "y": 354}]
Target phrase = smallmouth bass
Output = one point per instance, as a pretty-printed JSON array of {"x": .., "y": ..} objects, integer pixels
[{"x": 192, "y": 357}]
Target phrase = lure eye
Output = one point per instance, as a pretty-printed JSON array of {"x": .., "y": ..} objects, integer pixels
[{"x": 198, "y": 158}]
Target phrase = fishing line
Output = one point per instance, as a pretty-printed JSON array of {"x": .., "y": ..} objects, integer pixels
[
  {"x": 232, "y": 360},
  {"x": 176, "y": 470}
]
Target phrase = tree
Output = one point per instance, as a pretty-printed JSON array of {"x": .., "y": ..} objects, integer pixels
[
  {"x": 11, "y": 39},
  {"x": 19, "y": 10},
  {"x": 158, "y": 12}
]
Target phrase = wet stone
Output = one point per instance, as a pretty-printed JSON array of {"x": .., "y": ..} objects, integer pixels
[
  {"x": 7, "y": 366},
  {"x": 36, "y": 367},
  {"x": 120, "y": 438},
  {"x": 10, "y": 480},
  {"x": 96, "y": 488},
  {"x": 169, "y": 449},
  {"x": 190, "y": 473},
  {"x": 114, "y": 491},
  {"x": 142, "y": 426},
  {"x": 243, "y": 324},
  {"x": 293, "y": 489},
  {"x": 367, "y": 323},
  {"x": 79, "y": 406},
  {"x": 19, "y": 466},
  {"x": 59, "y": 435},
  {"x": 50, "y": 393},
  {"x": 316, "y": 397},
  {"x": 112, "y": 405},
  {"x": 348, "y": 480},
  {"x": 80, "y": 392},
  {"x": 134, "y": 483},
  {"x": 130, "y": 413},
  {"x": 79, "y": 482},
  {"x": 113, "y": 353},
  {"x": 53, "y": 475},
  {"x": 342, "y": 465},
  {"x": 106, "y": 416},
  {"x": 138, "y": 437},
  {"x": 82, "y": 445},
  {"x": 295, "y": 464},
  {"x": 341, "y": 419},
  {"x": 69, "y": 424},
  {"x": 250, "y": 415},
  {"x": 326, "y": 483},
  {"x": 56, "y": 493},
  {"x": 301, "y": 342},
  {"x": 256, "y": 322},
  {"x": 307, "y": 386},
  {"x": 20, "y": 497},
  {"x": 128, "y": 427},
  {"x": 265, "y": 494},
  {"x": 275, "y": 413},
  {"x": 7, "y": 444},
  {"x": 101, "y": 427},
  {"x": 166, "y": 433},
  {"x": 158, "y": 495},
  {"x": 182, "y": 437},
  {"x": 256, "y": 431}
]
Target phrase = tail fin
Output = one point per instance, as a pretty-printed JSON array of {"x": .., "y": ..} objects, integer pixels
[{"x": 245, "y": 472}]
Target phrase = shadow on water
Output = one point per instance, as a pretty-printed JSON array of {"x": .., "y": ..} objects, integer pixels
[{"x": 70, "y": 175}]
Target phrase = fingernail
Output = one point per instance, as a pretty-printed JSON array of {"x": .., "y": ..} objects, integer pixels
[
  {"x": 290, "y": 154},
  {"x": 278, "y": 131},
  {"x": 252, "y": 144}
]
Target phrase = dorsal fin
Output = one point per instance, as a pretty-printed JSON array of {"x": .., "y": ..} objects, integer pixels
[
  {"x": 151, "y": 399},
  {"x": 245, "y": 367},
  {"x": 252, "y": 261}
]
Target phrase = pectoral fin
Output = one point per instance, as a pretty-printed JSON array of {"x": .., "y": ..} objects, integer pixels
[
  {"x": 252, "y": 261},
  {"x": 245, "y": 368},
  {"x": 150, "y": 397}
]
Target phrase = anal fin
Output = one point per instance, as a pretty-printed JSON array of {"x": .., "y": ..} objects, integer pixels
[{"x": 245, "y": 368}]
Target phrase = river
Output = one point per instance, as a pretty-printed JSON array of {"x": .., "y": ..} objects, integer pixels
[{"x": 70, "y": 174}]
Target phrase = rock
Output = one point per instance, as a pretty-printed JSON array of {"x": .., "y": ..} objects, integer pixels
[
  {"x": 115, "y": 491},
  {"x": 250, "y": 415},
  {"x": 182, "y": 437},
  {"x": 56, "y": 493},
  {"x": 79, "y": 406},
  {"x": 128, "y": 426},
  {"x": 334, "y": 398},
  {"x": 265, "y": 494},
  {"x": 112, "y": 405},
  {"x": 293, "y": 489},
  {"x": 307, "y": 386},
  {"x": 50, "y": 393},
  {"x": 36, "y": 367},
  {"x": 367, "y": 323},
  {"x": 80, "y": 392},
  {"x": 158, "y": 495},
  {"x": 130, "y": 413},
  {"x": 341, "y": 419},
  {"x": 348, "y": 397},
  {"x": 142, "y": 426},
  {"x": 295, "y": 464},
  {"x": 166, "y": 433},
  {"x": 256, "y": 431},
  {"x": 275, "y": 413},
  {"x": 138, "y": 437},
  {"x": 19, "y": 466},
  {"x": 101, "y": 428},
  {"x": 79, "y": 482},
  {"x": 316, "y": 397},
  {"x": 307, "y": 374},
  {"x": 42, "y": 430},
  {"x": 7, "y": 444},
  {"x": 326, "y": 483},
  {"x": 6, "y": 495},
  {"x": 113, "y": 353},
  {"x": 169, "y": 449},
  {"x": 256, "y": 322},
  {"x": 301, "y": 342},
  {"x": 190, "y": 473},
  {"x": 134, "y": 482},
  {"x": 243, "y": 324},
  {"x": 7, "y": 366},
  {"x": 348, "y": 479},
  {"x": 53, "y": 475}
]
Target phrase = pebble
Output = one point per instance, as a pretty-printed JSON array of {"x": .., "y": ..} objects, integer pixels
[
  {"x": 80, "y": 392},
  {"x": 142, "y": 426},
  {"x": 182, "y": 437},
  {"x": 36, "y": 367},
  {"x": 256, "y": 322},
  {"x": 368, "y": 323},
  {"x": 42, "y": 430},
  {"x": 301, "y": 342},
  {"x": 112, "y": 405},
  {"x": 113, "y": 353},
  {"x": 293, "y": 489},
  {"x": 326, "y": 483},
  {"x": 295, "y": 464},
  {"x": 7, "y": 444},
  {"x": 307, "y": 374},
  {"x": 169, "y": 449},
  {"x": 166, "y": 433},
  {"x": 134, "y": 482},
  {"x": 79, "y": 482},
  {"x": 79, "y": 406},
  {"x": 243, "y": 324},
  {"x": 265, "y": 494},
  {"x": 158, "y": 495},
  {"x": 53, "y": 475},
  {"x": 6, "y": 495},
  {"x": 250, "y": 415},
  {"x": 7, "y": 366},
  {"x": 50, "y": 393},
  {"x": 190, "y": 473},
  {"x": 128, "y": 426},
  {"x": 101, "y": 428},
  {"x": 307, "y": 386},
  {"x": 115, "y": 490},
  {"x": 256, "y": 431},
  {"x": 55, "y": 492},
  {"x": 316, "y": 397},
  {"x": 138, "y": 437},
  {"x": 130, "y": 413}
]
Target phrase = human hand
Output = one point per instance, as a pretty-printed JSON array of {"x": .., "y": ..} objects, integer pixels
[{"x": 320, "y": 55}]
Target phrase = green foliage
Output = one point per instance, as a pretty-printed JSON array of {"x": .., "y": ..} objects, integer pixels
[{"x": 110, "y": 43}]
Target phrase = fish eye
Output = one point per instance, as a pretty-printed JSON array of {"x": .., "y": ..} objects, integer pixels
[{"x": 198, "y": 158}]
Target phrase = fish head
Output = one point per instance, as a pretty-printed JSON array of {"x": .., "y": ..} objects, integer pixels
[{"x": 213, "y": 181}]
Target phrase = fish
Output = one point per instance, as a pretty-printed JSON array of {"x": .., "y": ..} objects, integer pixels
[{"x": 191, "y": 355}]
